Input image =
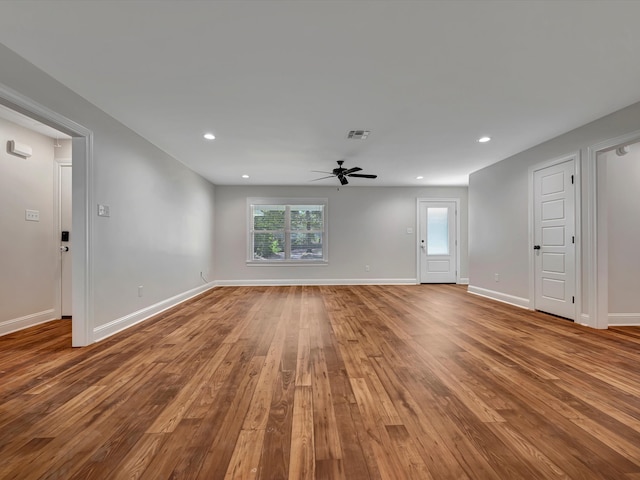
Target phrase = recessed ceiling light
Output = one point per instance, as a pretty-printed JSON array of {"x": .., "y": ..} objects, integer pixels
[
  {"x": 209, "y": 136},
  {"x": 419, "y": 177},
  {"x": 484, "y": 139},
  {"x": 245, "y": 176}
]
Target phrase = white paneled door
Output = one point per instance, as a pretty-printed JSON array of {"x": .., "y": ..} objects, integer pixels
[
  {"x": 437, "y": 239},
  {"x": 554, "y": 239}
]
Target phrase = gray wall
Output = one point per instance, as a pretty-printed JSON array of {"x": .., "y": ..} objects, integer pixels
[
  {"x": 367, "y": 226},
  {"x": 28, "y": 251},
  {"x": 160, "y": 233},
  {"x": 498, "y": 206}
]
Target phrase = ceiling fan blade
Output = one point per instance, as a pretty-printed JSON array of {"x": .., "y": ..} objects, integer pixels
[
  {"x": 322, "y": 171},
  {"x": 352, "y": 170},
  {"x": 343, "y": 179},
  {"x": 363, "y": 175},
  {"x": 321, "y": 178}
]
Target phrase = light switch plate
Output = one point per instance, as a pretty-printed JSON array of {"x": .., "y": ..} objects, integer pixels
[{"x": 103, "y": 210}]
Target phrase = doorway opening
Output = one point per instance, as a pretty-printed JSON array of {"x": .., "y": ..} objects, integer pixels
[
  {"x": 611, "y": 228},
  {"x": 82, "y": 198}
]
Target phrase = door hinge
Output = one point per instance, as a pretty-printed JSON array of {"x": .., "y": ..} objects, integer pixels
[
  {"x": 573, "y": 239},
  {"x": 573, "y": 299},
  {"x": 571, "y": 179}
]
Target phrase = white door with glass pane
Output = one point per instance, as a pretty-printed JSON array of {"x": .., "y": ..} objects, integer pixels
[{"x": 437, "y": 242}]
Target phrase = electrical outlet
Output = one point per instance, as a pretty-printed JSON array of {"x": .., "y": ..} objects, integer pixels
[
  {"x": 140, "y": 287},
  {"x": 32, "y": 215},
  {"x": 367, "y": 268},
  {"x": 496, "y": 277}
]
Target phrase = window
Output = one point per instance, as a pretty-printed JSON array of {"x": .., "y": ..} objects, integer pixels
[
  {"x": 437, "y": 231},
  {"x": 287, "y": 230}
]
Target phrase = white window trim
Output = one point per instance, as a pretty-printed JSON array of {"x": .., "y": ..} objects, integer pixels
[{"x": 287, "y": 201}]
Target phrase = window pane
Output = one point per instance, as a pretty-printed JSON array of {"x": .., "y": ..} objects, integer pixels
[
  {"x": 306, "y": 246},
  {"x": 437, "y": 231},
  {"x": 268, "y": 217},
  {"x": 306, "y": 217},
  {"x": 268, "y": 246}
]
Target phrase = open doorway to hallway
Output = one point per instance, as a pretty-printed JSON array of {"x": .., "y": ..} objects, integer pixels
[
  {"x": 35, "y": 191},
  {"x": 618, "y": 170}
]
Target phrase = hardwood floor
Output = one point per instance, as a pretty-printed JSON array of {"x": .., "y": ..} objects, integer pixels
[{"x": 366, "y": 382}]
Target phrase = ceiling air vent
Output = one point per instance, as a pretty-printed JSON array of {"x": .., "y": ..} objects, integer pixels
[{"x": 358, "y": 134}]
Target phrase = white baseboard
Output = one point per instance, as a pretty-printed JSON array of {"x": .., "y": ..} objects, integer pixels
[
  {"x": 15, "y": 324},
  {"x": 111, "y": 328},
  {"x": 624, "y": 319},
  {"x": 463, "y": 281},
  {"x": 322, "y": 281},
  {"x": 501, "y": 297}
]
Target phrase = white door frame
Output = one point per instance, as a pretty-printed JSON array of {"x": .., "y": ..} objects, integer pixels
[
  {"x": 82, "y": 180},
  {"x": 575, "y": 156},
  {"x": 598, "y": 233},
  {"x": 418, "y": 223}
]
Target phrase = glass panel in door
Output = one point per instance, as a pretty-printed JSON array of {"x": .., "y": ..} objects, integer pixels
[{"x": 437, "y": 231}]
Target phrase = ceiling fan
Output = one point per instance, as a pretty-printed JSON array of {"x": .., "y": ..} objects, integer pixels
[{"x": 342, "y": 173}]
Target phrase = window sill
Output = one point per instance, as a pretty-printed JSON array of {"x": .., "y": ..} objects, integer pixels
[{"x": 289, "y": 263}]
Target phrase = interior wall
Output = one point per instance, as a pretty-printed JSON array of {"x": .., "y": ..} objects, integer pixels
[
  {"x": 28, "y": 251},
  {"x": 623, "y": 215},
  {"x": 498, "y": 213},
  {"x": 367, "y": 226},
  {"x": 160, "y": 231},
  {"x": 63, "y": 153}
]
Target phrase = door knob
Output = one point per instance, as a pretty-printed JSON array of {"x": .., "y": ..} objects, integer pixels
[
  {"x": 536, "y": 247},
  {"x": 64, "y": 249}
]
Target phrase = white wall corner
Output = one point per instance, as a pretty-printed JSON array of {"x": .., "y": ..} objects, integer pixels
[
  {"x": 624, "y": 319},
  {"x": 15, "y": 324},
  {"x": 501, "y": 297},
  {"x": 111, "y": 328}
]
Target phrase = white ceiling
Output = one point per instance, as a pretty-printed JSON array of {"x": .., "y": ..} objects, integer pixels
[{"x": 280, "y": 83}]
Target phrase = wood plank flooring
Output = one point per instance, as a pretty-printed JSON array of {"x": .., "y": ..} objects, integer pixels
[{"x": 328, "y": 382}]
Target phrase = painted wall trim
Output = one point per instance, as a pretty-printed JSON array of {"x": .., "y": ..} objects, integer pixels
[
  {"x": 320, "y": 281},
  {"x": 624, "y": 319},
  {"x": 584, "y": 319},
  {"x": 15, "y": 324},
  {"x": 463, "y": 281},
  {"x": 122, "y": 323},
  {"x": 501, "y": 297}
]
